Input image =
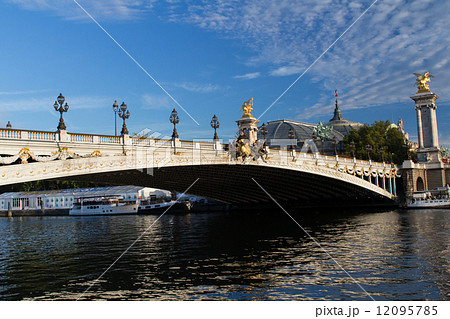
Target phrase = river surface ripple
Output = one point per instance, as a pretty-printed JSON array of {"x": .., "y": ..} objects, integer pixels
[{"x": 394, "y": 255}]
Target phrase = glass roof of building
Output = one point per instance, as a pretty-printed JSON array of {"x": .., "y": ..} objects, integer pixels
[{"x": 280, "y": 130}]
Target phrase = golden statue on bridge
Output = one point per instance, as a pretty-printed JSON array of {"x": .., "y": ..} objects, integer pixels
[
  {"x": 247, "y": 108},
  {"x": 421, "y": 82}
]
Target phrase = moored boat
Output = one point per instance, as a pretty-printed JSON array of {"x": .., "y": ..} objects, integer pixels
[
  {"x": 437, "y": 198},
  {"x": 150, "y": 207},
  {"x": 114, "y": 205}
]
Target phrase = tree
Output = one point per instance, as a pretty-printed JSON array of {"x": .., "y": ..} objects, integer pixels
[
  {"x": 48, "y": 185},
  {"x": 386, "y": 141}
]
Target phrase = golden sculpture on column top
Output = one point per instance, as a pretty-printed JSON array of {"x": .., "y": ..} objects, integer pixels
[
  {"x": 421, "y": 82},
  {"x": 247, "y": 108}
]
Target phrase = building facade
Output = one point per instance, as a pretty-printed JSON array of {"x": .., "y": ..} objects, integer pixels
[{"x": 64, "y": 198}]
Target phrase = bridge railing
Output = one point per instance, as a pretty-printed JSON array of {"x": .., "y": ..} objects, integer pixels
[
  {"x": 182, "y": 146},
  {"x": 280, "y": 155},
  {"x": 17, "y": 134}
]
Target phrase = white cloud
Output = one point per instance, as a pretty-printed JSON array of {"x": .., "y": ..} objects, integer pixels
[
  {"x": 111, "y": 9},
  {"x": 22, "y": 92},
  {"x": 46, "y": 103},
  {"x": 197, "y": 87},
  {"x": 286, "y": 70},
  {"x": 248, "y": 76},
  {"x": 372, "y": 64},
  {"x": 156, "y": 102}
]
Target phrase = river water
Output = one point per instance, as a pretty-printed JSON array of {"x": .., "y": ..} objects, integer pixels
[{"x": 393, "y": 255}]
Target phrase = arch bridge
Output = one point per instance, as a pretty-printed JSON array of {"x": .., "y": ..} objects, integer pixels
[{"x": 302, "y": 178}]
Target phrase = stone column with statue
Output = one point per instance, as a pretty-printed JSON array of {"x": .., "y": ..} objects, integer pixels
[
  {"x": 427, "y": 131},
  {"x": 248, "y": 125}
]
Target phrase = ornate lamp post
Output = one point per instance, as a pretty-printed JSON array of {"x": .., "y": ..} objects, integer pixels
[
  {"x": 334, "y": 142},
  {"x": 215, "y": 125},
  {"x": 174, "y": 119},
  {"x": 382, "y": 150},
  {"x": 115, "y": 108},
  {"x": 61, "y": 109},
  {"x": 263, "y": 131},
  {"x": 124, "y": 114},
  {"x": 314, "y": 138},
  {"x": 291, "y": 136},
  {"x": 352, "y": 148},
  {"x": 369, "y": 149}
]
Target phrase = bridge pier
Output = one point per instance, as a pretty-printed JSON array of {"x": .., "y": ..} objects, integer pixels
[{"x": 9, "y": 210}]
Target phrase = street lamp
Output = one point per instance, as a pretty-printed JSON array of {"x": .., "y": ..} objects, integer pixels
[
  {"x": 382, "y": 150},
  {"x": 334, "y": 142},
  {"x": 61, "y": 109},
  {"x": 263, "y": 131},
  {"x": 291, "y": 136},
  {"x": 352, "y": 148},
  {"x": 314, "y": 138},
  {"x": 174, "y": 119},
  {"x": 115, "y": 108},
  {"x": 124, "y": 114},
  {"x": 369, "y": 149},
  {"x": 215, "y": 125}
]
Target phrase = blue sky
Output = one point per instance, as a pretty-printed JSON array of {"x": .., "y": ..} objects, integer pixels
[{"x": 211, "y": 56}]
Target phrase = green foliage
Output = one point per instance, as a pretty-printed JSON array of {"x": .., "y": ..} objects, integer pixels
[
  {"x": 49, "y": 185},
  {"x": 445, "y": 151},
  {"x": 387, "y": 143}
]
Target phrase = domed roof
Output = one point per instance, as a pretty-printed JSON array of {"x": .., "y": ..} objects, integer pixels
[
  {"x": 280, "y": 130},
  {"x": 340, "y": 124}
]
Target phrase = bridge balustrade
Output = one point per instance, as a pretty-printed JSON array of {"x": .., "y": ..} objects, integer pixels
[
  {"x": 196, "y": 152},
  {"x": 109, "y": 139},
  {"x": 10, "y": 134},
  {"x": 42, "y": 136},
  {"x": 83, "y": 138}
]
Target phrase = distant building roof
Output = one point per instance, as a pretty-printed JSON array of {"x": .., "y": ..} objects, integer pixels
[
  {"x": 340, "y": 124},
  {"x": 77, "y": 192},
  {"x": 280, "y": 130}
]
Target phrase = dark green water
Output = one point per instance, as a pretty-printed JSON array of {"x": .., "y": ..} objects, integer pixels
[{"x": 394, "y": 255}]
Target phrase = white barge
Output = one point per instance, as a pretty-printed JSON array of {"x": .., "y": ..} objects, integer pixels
[
  {"x": 90, "y": 206},
  {"x": 436, "y": 198}
]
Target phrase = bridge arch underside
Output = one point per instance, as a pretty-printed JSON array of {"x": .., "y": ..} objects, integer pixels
[{"x": 234, "y": 184}]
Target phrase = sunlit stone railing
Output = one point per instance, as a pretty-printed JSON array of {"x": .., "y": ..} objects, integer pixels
[
  {"x": 83, "y": 138},
  {"x": 42, "y": 136},
  {"x": 20, "y": 146},
  {"x": 12, "y": 134},
  {"x": 102, "y": 139}
]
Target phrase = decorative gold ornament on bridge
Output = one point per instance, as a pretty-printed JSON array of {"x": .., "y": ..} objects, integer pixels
[
  {"x": 247, "y": 108},
  {"x": 421, "y": 82}
]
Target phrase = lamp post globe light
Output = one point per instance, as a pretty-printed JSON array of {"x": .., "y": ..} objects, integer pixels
[
  {"x": 291, "y": 136},
  {"x": 61, "y": 109},
  {"x": 215, "y": 125},
  {"x": 124, "y": 114},
  {"x": 369, "y": 149},
  {"x": 115, "y": 109},
  {"x": 334, "y": 142},
  {"x": 174, "y": 119},
  {"x": 263, "y": 131},
  {"x": 352, "y": 148}
]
